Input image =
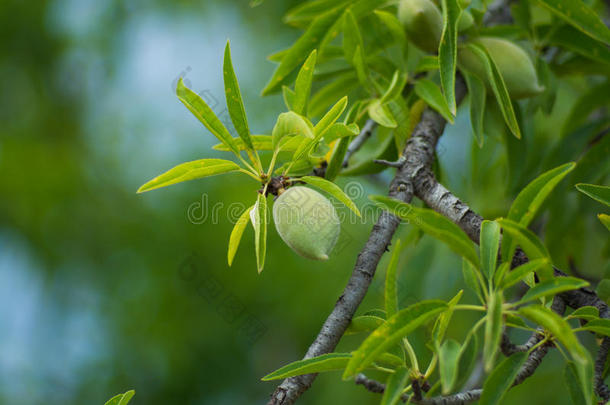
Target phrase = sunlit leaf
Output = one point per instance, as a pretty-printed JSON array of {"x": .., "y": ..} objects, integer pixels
[
  {"x": 395, "y": 328},
  {"x": 196, "y": 169},
  {"x": 302, "y": 86},
  {"x": 258, "y": 218},
  {"x": 390, "y": 293},
  {"x": 204, "y": 113},
  {"x": 598, "y": 193},
  {"x": 332, "y": 189},
  {"x": 431, "y": 94},
  {"x": 319, "y": 364},
  {"x": 382, "y": 115},
  {"x": 552, "y": 287},
  {"x": 236, "y": 234},
  {"x": 432, "y": 223},
  {"x": 493, "y": 329},
  {"x": 447, "y": 51},
  {"x": 121, "y": 399},
  {"x": 235, "y": 104},
  {"x": 489, "y": 244},
  {"x": 363, "y": 323},
  {"x": 519, "y": 273}
]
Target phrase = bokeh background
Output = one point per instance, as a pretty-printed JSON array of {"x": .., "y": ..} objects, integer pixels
[{"x": 103, "y": 290}]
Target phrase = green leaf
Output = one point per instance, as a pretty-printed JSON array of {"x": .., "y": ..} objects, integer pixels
[
  {"x": 530, "y": 244},
  {"x": 235, "y": 104},
  {"x": 427, "y": 63},
  {"x": 601, "y": 326},
  {"x": 363, "y": 323},
  {"x": 519, "y": 273},
  {"x": 204, "y": 113},
  {"x": 362, "y": 70},
  {"x": 603, "y": 290},
  {"x": 236, "y": 234},
  {"x": 302, "y": 14},
  {"x": 336, "y": 158},
  {"x": 447, "y": 51},
  {"x": 605, "y": 220},
  {"x": 493, "y": 329},
  {"x": 399, "y": 80},
  {"x": 558, "y": 327},
  {"x": 489, "y": 243},
  {"x": 587, "y": 313},
  {"x": 332, "y": 91},
  {"x": 319, "y": 364},
  {"x": 498, "y": 87},
  {"x": 332, "y": 189},
  {"x": 121, "y": 399},
  {"x": 393, "y": 389},
  {"x": 448, "y": 358},
  {"x": 432, "y": 223},
  {"x": 562, "y": 331},
  {"x": 431, "y": 94},
  {"x": 598, "y": 193},
  {"x": 301, "y": 48},
  {"x": 390, "y": 294},
  {"x": 381, "y": 114},
  {"x": 526, "y": 205},
  {"x": 394, "y": 26},
  {"x": 289, "y": 95},
  {"x": 575, "y": 41},
  {"x": 579, "y": 15},
  {"x": 440, "y": 327},
  {"x": 196, "y": 169},
  {"x": 501, "y": 379},
  {"x": 570, "y": 375},
  {"x": 477, "y": 96},
  {"x": 302, "y": 86},
  {"x": 339, "y": 130},
  {"x": 352, "y": 39},
  {"x": 259, "y": 221},
  {"x": 395, "y": 328},
  {"x": 552, "y": 287}
]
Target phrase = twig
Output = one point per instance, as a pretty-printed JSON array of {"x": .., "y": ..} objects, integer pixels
[
  {"x": 601, "y": 389},
  {"x": 420, "y": 155},
  {"x": 359, "y": 140}
]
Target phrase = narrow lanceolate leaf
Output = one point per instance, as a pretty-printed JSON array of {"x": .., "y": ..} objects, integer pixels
[
  {"x": 469, "y": 273},
  {"x": 302, "y": 47},
  {"x": 196, "y": 169},
  {"x": 433, "y": 224},
  {"x": 579, "y": 15},
  {"x": 489, "y": 243},
  {"x": 519, "y": 273},
  {"x": 448, "y": 358},
  {"x": 601, "y": 326},
  {"x": 235, "y": 104},
  {"x": 336, "y": 158},
  {"x": 339, "y": 130},
  {"x": 382, "y": 115},
  {"x": 498, "y": 87},
  {"x": 363, "y": 323},
  {"x": 501, "y": 379},
  {"x": 587, "y": 313},
  {"x": 476, "y": 94},
  {"x": 562, "y": 331},
  {"x": 431, "y": 94},
  {"x": 390, "y": 295},
  {"x": 526, "y": 205},
  {"x": 440, "y": 327},
  {"x": 351, "y": 36},
  {"x": 393, "y": 389},
  {"x": 447, "y": 51},
  {"x": 571, "y": 379},
  {"x": 598, "y": 193},
  {"x": 204, "y": 113},
  {"x": 395, "y": 88},
  {"x": 395, "y": 328},
  {"x": 236, "y": 234},
  {"x": 289, "y": 95},
  {"x": 332, "y": 189},
  {"x": 121, "y": 399},
  {"x": 259, "y": 221},
  {"x": 302, "y": 86},
  {"x": 552, "y": 287},
  {"x": 325, "y": 362},
  {"x": 530, "y": 244},
  {"x": 493, "y": 329}
]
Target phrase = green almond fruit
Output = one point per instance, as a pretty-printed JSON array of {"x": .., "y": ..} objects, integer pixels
[
  {"x": 513, "y": 62},
  {"x": 423, "y": 23},
  {"x": 291, "y": 124},
  {"x": 307, "y": 222}
]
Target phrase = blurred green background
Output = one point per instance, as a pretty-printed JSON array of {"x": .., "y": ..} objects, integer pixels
[{"x": 103, "y": 290}]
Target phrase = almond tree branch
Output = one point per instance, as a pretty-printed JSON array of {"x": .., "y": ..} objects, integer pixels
[
  {"x": 359, "y": 140},
  {"x": 419, "y": 153}
]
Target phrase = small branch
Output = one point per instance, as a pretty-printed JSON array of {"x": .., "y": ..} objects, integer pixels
[
  {"x": 397, "y": 164},
  {"x": 601, "y": 389},
  {"x": 359, "y": 140}
]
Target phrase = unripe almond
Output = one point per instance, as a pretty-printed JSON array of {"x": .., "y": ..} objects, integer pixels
[
  {"x": 307, "y": 222},
  {"x": 514, "y": 64},
  {"x": 423, "y": 23}
]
